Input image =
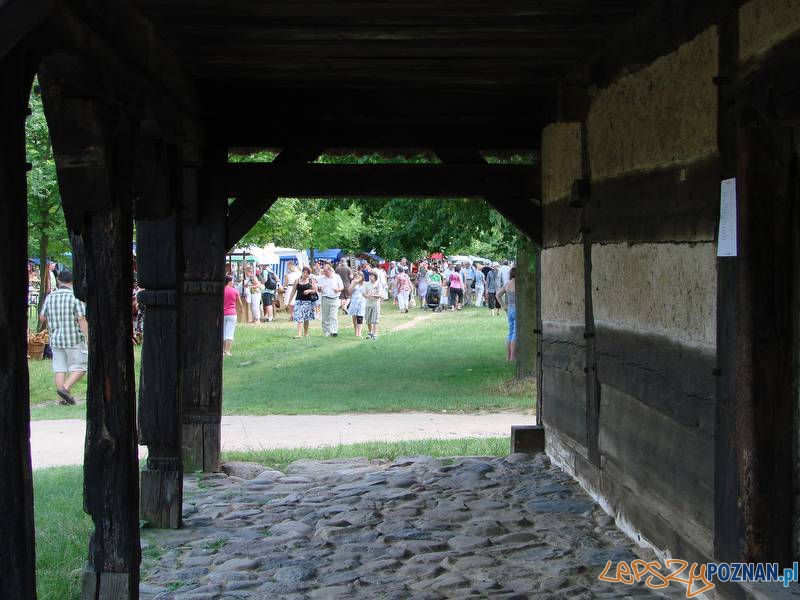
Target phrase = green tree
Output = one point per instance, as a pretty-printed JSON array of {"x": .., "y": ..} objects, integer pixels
[
  {"x": 47, "y": 231},
  {"x": 286, "y": 223}
]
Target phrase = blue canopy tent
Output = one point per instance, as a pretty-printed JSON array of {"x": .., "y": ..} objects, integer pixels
[
  {"x": 331, "y": 254},
  {"x": 371, "y": 256}
]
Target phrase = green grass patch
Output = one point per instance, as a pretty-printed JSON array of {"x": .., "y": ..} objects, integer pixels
[
  {"x": 62, "y": 532},
  {"x": 451, "y": 361},
  {"x": 278, "y": 458}
]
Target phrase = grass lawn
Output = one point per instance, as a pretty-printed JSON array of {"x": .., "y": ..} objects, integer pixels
[
  {"x": 62, "y": 532},
  {"x": 62, "y": 529},
  {"x": 448, "y": 361}
]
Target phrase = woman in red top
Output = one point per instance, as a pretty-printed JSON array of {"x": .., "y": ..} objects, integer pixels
[{"x": 231, "y": 301}]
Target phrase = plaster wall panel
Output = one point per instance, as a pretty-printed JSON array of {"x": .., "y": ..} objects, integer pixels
[
  {"x": 563, "y": 295},
  {"x": 561, "y": 159},
  {"x": 764, "y": 23},
  {"x": 662, "y": 114},
  {"x": 667, "y": 289}
]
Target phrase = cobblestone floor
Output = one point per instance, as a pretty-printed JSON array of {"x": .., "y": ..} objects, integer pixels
[{"x": 421, "y": 528}]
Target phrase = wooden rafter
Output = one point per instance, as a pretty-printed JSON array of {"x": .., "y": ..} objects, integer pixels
[{"x": 381, "y": 180}]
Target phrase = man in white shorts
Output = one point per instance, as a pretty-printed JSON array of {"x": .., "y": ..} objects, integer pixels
[{"x": 65, "y": 317}]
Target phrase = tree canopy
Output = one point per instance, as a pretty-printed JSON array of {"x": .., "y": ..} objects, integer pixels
[{"x": 47, "y": 231}]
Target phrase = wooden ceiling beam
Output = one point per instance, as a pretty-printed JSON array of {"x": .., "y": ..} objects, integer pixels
[
  {"x": 523, "y": 213},
  {"x": 17, "y": 18},
  {"x": 119, "y": 42},
  {"x": 248, "y": 131},
  {"x": 380, "y": 180},
  {"x": 245, "y": 212}
]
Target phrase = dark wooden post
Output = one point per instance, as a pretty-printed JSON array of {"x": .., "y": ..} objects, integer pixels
[
  {"x": 204, "y": 239},
  {"x": 159, "y": 385},
  {"x": 527, "y": 303},
  {"x": 92, "y": 143},
  {"x": 17, "y": 559},
  {"x": 158, "y": 187}
]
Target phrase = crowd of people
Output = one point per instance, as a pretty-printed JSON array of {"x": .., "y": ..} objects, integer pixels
[{"x": 324, "y": 290}]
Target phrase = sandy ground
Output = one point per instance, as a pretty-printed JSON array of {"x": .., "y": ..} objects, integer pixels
[{"x": 56, "y": 443}]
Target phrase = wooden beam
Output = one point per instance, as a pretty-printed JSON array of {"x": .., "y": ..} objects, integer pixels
[
  {"x": 18, "y": 563},
  {"x": 520, "y": 209},
  {"x": 17, "y": 18},
  {"x": 129, "y": 60},
  {"x": 345, "y": 131},
  {"x": 758, "y": 292},
  {"x": 381, "y": 180},
  {"x": 245, "y": 212}
]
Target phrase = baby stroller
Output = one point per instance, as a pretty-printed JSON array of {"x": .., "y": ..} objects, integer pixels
[{"x": 433, "y": 298}]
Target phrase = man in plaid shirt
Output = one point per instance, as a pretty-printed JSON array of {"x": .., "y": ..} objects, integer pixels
[{"x": 65, "y": 317}]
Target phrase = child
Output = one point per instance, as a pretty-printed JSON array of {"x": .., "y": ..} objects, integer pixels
[{"x": 373, "y": 292}]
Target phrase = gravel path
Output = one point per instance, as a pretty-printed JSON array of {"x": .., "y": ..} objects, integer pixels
[
  {"x": 509, "y": 528},
  {"x": 57, "y": 443}
]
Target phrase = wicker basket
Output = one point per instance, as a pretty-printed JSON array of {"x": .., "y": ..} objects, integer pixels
[{"x": 35, "y": 350}]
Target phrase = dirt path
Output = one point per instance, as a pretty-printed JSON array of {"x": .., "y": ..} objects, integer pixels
[
  {"x": 57, "y": 443},
  {"x": 411, "y": 324}
]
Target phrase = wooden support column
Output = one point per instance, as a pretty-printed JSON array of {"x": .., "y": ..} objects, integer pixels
[
  {"x": 158, "y": 186},
  {"x": 204, "y": 247},
  {"x": 17, "y": 559},
  {"x": 159, "y": 385},
  {"x": 92, "y": 144}
]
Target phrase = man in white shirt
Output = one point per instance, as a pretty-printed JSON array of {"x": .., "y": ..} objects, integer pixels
[{"x": 330, "y": 286}]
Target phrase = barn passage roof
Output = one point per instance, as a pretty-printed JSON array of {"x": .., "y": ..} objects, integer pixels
[{"x": 345, "y": 66}]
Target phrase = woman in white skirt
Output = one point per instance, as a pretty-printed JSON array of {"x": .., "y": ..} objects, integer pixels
[{"x": 357, "y": 305}]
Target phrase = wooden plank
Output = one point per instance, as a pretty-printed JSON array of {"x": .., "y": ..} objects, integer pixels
[
  {"x": 766, "y": 388},
  {"x": 670, "y": 465},
  {"x": 17, "y": 553},
  {"x": 208, "y": 9},
  {"x": 672, "y": 378},
  {"x": 678, "y": 203},
  {"x": 346, "y": 132},
  {"x": 563, "y": 384},
  {"x": 729, "y": 527},
  {"x": 316, "y": 180}
]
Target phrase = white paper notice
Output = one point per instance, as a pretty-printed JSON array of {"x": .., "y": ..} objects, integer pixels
[{"x": 727, "y": 218}]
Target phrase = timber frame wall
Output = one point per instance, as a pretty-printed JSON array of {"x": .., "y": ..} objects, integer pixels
[{"x": 669, "y": 375}]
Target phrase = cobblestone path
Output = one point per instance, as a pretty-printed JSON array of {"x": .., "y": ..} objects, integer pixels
[{"x": 421, "y": 528}]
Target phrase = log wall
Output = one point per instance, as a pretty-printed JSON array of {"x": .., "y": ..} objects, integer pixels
[
  {"x": 631, "y": 293},
  {"x": 629, "y": 297}
]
